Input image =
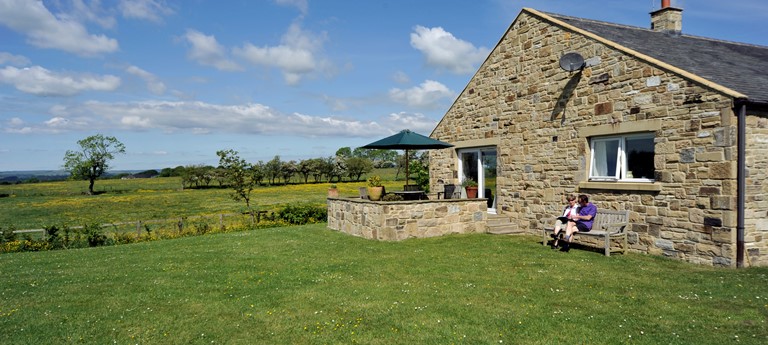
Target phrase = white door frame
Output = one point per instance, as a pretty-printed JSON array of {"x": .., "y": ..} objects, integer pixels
[{"x": 480, "y": 178}]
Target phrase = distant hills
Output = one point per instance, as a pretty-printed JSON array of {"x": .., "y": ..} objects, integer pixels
[{"x": 51, "y": 175}]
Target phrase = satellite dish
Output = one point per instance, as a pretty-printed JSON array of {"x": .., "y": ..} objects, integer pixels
[{"x": 572, "y": 62}]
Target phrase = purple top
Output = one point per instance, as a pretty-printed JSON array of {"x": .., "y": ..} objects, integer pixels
[{"x": 590, "y": 209}]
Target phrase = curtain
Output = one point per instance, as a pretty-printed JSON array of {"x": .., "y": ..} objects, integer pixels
[{"x": 605, "y": 155}]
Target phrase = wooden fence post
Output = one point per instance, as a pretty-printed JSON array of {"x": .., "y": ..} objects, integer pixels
[{"x": 138, "y": 228}]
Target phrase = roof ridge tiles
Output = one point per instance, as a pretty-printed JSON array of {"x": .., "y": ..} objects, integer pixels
[{"x": 650, "y": 31}]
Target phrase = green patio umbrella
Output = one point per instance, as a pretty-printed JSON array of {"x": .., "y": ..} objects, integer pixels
[{"x": 407, "y": 140}]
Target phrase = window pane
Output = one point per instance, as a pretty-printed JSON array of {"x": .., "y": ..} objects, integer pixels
[
  {"x": 640, "y": 163},
  {"x": 604, "y": 157},
  {"x": 469, "y": 165}
]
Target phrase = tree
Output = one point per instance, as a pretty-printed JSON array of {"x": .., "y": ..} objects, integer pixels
[
  {"x": 357, "y": 166},
  {"x": 92, "y": 160},
  {"x": 420, "y": 168},
  {"x": 259, "y": 171},
  {"x": 197, "y": 175},
  {"x": 316, "y": 168},
  {"x": 287, "y": 170},
  {"x": 220, "y": 175},
  {"x": 240, "y": 174},
  {"x": 344, "y": 152},
  {"x": 401, "y": 162},
  {"x": 333, "y": 167},
  {"x": 272, "y": 169},
  {"x": 305, "y": 169},
  {"x": 380, "y": 158}
]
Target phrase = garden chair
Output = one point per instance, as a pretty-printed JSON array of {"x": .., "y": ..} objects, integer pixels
[{"x": 450, "y": 191}]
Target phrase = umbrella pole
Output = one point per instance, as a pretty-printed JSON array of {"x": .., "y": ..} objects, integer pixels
[{"x": 407, "y": 166}]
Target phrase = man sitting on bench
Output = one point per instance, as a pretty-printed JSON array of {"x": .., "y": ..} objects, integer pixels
[{"x": 581, "y": 222}]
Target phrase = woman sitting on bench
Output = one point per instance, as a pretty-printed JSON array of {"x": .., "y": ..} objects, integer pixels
[
  {"x": 581, "y": 222},
  {"x": 568, "y": 212}
]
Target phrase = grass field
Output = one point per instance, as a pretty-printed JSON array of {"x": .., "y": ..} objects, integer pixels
[
  {"x": 35, "y": 205},
  {"x": 311, "y": 285}
]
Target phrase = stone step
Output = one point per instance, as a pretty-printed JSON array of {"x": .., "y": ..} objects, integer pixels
[
  {"x": 500, "y": 225},
  {"x": 497, "y": 219},
  {"x": 503, "y": 230}
]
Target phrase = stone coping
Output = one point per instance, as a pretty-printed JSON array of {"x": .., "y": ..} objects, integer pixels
[{"x": 366, "y": 201}]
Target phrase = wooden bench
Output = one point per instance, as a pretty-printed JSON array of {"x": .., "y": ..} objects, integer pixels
[{"x": 608, "y": 225}]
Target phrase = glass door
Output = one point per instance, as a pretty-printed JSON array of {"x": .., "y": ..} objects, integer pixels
[{"x": 479, "y": 165}]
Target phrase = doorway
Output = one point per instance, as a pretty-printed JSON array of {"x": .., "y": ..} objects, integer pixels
[{"x": 480, "y": 165}]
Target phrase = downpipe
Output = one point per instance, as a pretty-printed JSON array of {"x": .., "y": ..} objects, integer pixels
[{"x": 741, "y": 181}]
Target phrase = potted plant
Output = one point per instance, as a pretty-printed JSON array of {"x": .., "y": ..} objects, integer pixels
[
  {"x": 374, "y": 188},
  {"x": 470, "y": 186},
  {"x": 332, "y": 191}
]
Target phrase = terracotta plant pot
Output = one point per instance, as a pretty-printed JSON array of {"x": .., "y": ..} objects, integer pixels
[
  {"x": 333, "y": 193},
  {"x": 374, "y": 193},
  {"x": 471, "y": 192}
]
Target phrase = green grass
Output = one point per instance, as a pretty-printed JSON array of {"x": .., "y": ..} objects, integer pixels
[
  {"x": 33, "y": 206},
  {"x": 310, "y": 285}
]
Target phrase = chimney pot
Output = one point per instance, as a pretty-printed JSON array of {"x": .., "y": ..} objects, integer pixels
[{"x": 665, "y": 3}]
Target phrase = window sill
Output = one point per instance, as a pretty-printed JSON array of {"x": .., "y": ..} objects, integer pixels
[{"x": 630, "y": 186}]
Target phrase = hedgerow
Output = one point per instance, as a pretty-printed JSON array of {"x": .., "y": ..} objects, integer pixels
[{"x": 95, "y": 235}]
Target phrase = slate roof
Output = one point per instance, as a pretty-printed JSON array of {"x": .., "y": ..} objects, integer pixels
[{"x": 738, "y": 66}]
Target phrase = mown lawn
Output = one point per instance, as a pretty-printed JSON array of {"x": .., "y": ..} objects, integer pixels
[{"x": 311, "y": 285}]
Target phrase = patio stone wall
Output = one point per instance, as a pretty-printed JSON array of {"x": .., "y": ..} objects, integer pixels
[{"x": 399, "y": 220}]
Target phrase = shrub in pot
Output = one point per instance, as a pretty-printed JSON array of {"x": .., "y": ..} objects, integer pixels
[
  {"x": 374, "y": 188},
  {"x": 470, "y": 186}
]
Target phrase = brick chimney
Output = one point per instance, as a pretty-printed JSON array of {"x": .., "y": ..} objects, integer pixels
[{"x": 667, "y": 19}]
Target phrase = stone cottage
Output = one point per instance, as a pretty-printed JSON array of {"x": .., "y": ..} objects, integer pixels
[{"x": 671, "y": 127}]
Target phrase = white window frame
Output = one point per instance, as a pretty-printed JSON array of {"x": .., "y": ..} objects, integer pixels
[{"x": 621, "y": 158}]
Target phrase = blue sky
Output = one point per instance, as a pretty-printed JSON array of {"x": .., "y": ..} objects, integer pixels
[{"x": 175, "y": 80}]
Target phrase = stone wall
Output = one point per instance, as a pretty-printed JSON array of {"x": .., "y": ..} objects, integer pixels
[
  {"x": 544, "y": 117},
  {"x": 756, "y": 215},
  {"x": 399, "y": 220}
]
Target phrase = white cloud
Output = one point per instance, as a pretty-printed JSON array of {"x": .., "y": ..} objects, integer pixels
[
  {"x": 427, "y": 95},
  {"x": 401, "y": 78},
  {"x": 45, "y": 30},
  {"x": 302, "y": 5},
  {"x": 201, "y": 118},
  {"x": 443, "y": 50},
  {"x": 90, "y": 12},
  {"x": 40, "y": 81},
  {"x": 153, "y": 84},
  {"x": 151, "y": 10},
  {"x": 15, "y": 60},
  {"x": 416, "y": 122},
  {"x": 57, "y": 122},
  {"x": 206, "y": 118},
  {"x": 296, "y": 56},
  {"x": 207, "y": 51},
  {"x": 20, "y": 130},
  {"x": 135, "y": 121},
  {"x": 336, "y": 104}
]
